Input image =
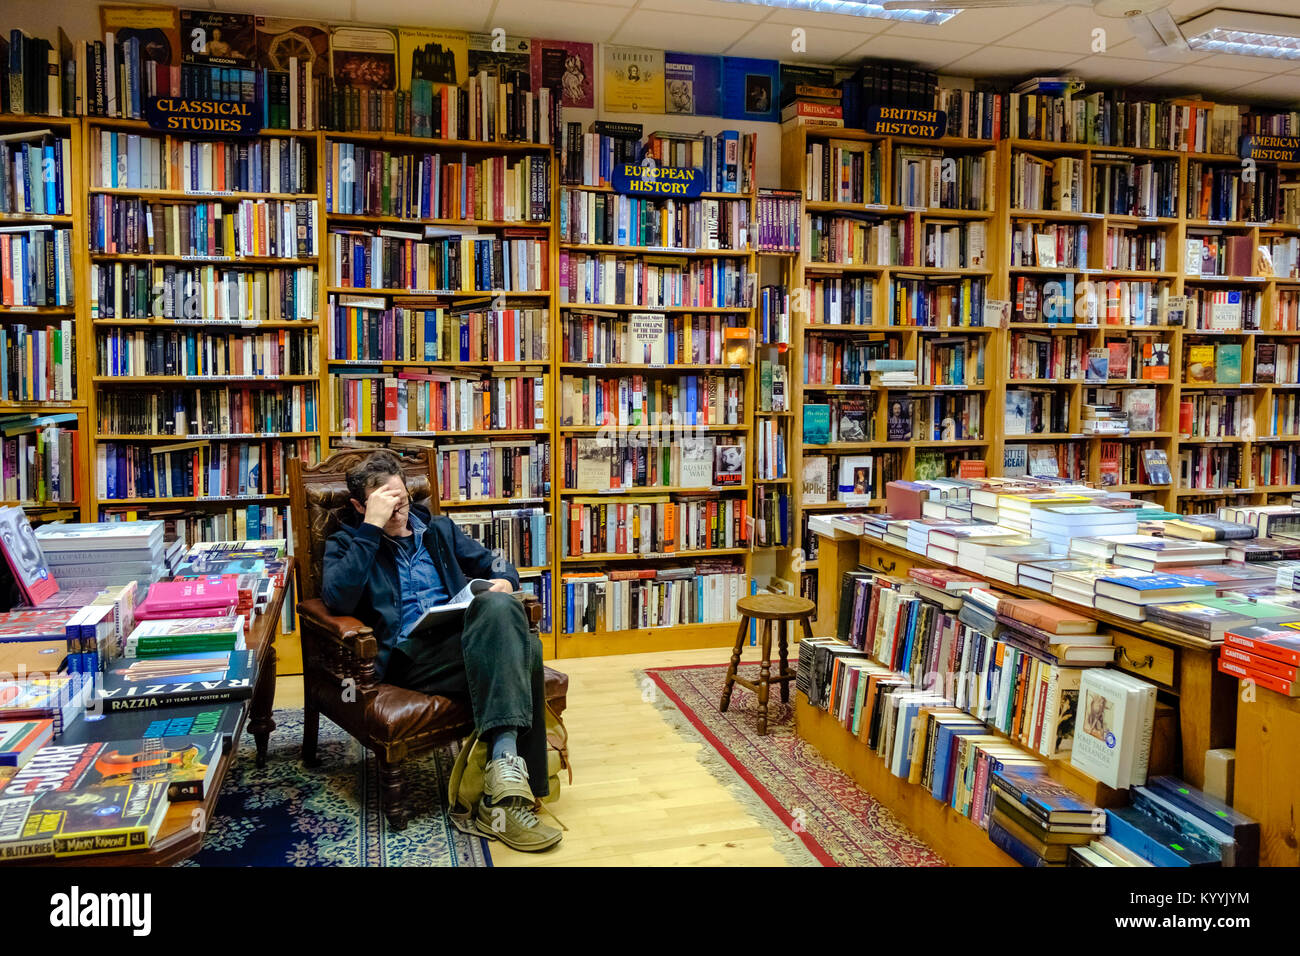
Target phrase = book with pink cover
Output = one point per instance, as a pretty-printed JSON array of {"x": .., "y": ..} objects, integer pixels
[
  {"x": 26, "y": 560},
  {"x": 192, "y": 597}
]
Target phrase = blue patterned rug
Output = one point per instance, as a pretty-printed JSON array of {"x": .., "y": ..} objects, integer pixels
[{"x": 285, "y": 814}]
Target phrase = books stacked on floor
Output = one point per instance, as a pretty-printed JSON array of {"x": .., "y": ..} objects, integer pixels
[
  {"x": 104, "y": 553},
  {"x": 1267, "y": 654},
  {"x": 1037, "y": 821}
]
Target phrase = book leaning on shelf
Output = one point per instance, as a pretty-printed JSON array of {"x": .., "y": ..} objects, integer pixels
[{"x": 40, "y": 458}]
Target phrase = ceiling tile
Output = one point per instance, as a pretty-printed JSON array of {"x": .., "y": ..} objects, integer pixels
[
  {"x": 397, "y": 13},
  {"x": 549, "y": 18},
  {"x": 1201, "y": 78},
  {"x": 1254, "y": 64},
  {"x": 1006, "y": 62},
  {"x": 827, "y": 21},
  {"x": 975, "y": 26},
  {"x": 650, "y": 29},
  {"x": 1068, "y": 30},
  {"x": 773, "y": 40},
  {"x": 1113, "y": 70},
  {"x": 712, "y": 8},
  {"x": 1278, "y": 90},
  {"x": 930, "y": 54}
]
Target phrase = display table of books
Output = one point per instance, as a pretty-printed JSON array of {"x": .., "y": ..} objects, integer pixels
[
  {"x": 999, "y": 661},
  {"x": 122, "y": 702},
  {"x": 1179, "y": 662}
]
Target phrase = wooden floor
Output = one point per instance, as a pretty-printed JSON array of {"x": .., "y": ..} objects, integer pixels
[{"x": 639, "y": 795}]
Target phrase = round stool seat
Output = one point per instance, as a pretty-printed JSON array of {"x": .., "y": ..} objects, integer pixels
[{"x": 775, "y": 607}]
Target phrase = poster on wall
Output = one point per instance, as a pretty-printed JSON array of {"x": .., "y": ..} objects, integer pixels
[
  {"x": 439, "y": 56},
  {"x": 514, "y": 55},
  {"x": 228, "y": 39},
  {"x": 634, "y": 79},
  {"x": 157, "y": 29},
  {"x": 749, "y": 89},
  {"x": 567, "y": 67},
  {"x": 281, "y": 39},
  {"x": 692, "y": 84},
  {"x": 364, "y": 58}
]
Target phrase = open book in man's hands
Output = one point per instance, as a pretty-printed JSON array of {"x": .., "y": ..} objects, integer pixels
[{"x": 438, "y": 620}]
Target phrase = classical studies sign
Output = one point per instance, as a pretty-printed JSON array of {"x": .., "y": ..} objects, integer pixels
[
  {"x": 179, "y": 114},
  {"x": 635, "y": 179}
]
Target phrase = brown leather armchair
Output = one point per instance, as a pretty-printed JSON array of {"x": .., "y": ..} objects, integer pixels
[{"x": 338, "y": 653}]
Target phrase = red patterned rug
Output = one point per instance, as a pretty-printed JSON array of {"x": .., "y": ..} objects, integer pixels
[{"x": 829, "y": 820}]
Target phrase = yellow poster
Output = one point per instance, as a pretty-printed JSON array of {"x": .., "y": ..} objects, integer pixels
[
  {"x": 633, "y": 79},
  {"x": 439, "y": 56}
]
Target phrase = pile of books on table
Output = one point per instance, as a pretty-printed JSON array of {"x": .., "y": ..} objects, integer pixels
[{"x": 165, "y": 662}]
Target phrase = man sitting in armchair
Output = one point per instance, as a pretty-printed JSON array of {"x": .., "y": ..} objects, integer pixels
[{"x": 391, "y": 563}]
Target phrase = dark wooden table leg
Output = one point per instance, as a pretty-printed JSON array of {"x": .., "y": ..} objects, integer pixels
[
  {"x": 764, "y": 677},
  {"x": 729, "y": 682},
  {"x": 260, "y": 722},
  {"x": 784, "y": 650}
]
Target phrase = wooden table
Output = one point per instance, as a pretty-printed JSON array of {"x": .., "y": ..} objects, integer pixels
[
  {"x": 1267, "y": 780},
  {"x": 183, "y": 829},
  {"x": 1181, "y": 664}
]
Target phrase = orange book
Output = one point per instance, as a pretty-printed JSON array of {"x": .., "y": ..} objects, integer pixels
[{"x": 1047, "y": 617}]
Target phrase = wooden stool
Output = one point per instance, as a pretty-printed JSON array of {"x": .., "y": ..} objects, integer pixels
[{"x": 781, "y": 608}]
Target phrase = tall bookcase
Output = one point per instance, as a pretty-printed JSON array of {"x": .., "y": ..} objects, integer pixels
[
  {"x": 191, "y": 329},
  {"x": 401, "y": 339},
  {"x": 911, "y": 288},
  {"x": 26, "y": 402},
  {"x": 653, "y": 451}
]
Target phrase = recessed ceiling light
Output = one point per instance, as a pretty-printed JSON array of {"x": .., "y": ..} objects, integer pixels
[
  {"x": 857, "y": 8},
  {"x": 1246, "y": 34}
]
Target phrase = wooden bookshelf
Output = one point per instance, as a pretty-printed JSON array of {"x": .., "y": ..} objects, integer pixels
[
  {"x": 102, "y": 388},
  {"x": 637, "y": 639},
  {"x": 69, "y": 130}
]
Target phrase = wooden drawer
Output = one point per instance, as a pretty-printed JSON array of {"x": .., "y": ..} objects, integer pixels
[
  {"x": 1146, "y": 659},
  {"x": 886, "y": 562}
]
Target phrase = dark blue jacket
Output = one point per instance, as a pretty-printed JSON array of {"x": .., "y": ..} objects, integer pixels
[{"x": 360, "y": 576}]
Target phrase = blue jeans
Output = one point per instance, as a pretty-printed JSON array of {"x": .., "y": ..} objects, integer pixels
[{"x": 495, "y": 664}]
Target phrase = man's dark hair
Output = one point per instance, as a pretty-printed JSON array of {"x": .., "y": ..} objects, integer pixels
[{"x": 372, "y": 473}]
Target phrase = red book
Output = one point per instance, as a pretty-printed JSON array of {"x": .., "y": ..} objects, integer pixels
[
  {"x": 1286, "y": 672},
  {"x": 192, "y": 597},
  {"x": 1263, "y": 679},
  {"x": 1266, "y": 641}
]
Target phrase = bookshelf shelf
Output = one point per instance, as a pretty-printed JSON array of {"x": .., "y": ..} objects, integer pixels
[
  {"x": 439, "y": 293},
  {"x": 191, "y": 194},
  {"x": 371, "y": 218},
  {"x": 650, "y": 556}
]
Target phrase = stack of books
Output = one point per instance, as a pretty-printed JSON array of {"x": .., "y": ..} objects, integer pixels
[
  {"x": 103, "y": 554},
  {"x": 1037, "y": 821},
  {"x": 1267, "y": 654}
]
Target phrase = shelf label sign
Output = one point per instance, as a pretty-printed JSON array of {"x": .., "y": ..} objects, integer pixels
[
  {"x": 181, "y": 114},
  {"x": 1272, "y": 149},
  {"x": 639, "y": 179},
  {"x": 901, "y": 121}
]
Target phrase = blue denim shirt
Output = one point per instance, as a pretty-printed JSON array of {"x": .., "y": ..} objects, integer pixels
[{"x": 422, "y": 584}]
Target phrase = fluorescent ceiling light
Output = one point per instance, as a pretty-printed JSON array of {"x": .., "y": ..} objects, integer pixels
[
  {"x": 858, "y": 8},
  {"x": 1246, "y": 34}
]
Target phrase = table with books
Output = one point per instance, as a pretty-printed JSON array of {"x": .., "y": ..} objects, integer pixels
[
  {"x": 1021, "y": 612},
  {"x": 160, "y": 667}
]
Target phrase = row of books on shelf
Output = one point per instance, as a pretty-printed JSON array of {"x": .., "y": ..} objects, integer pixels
[
  {"x": 840, "y": 300},
  {"x": 417, "y": 401},
  {"x": 836, "y": 360},
  {"x": 770, "y": 455},
  {"x": 611, "y": 219},
  {"x": 1063, "y": 300},
  {"x": 654, "y": 526},
  {"x": 462, "y": 261},
  {"x": 1058, "y": 357},
  {"x": 711, "y": 398},
  {"x": 853, "y": 480},
  {"x": 777, "y": 224},
  {"x": 36, "y": 267},
  {"x": 773, "y": 386},
  {"x": 842, "y": 171},
  {"x": 415, "y": 329},
  {"x": 521, "y": 536},
  {"x": 144, "y": 161},
  {"x": 936, "y": 302},
  {"x": 252, "y": 228},
  {"x": 198, "y": 469},
  {"x": 203, "y": 293},
  {"x": 406, "y": 185},
  {"x": 1223, "y": 192},
  {"x": 859, "y": 239},
  {"x": 38, "y": 364},
  {"x": 40, "y": 458},
  {"x": 773, "y": 514},
  {"x": 35, "y": 173},
  {"x": 611, "y": 464},
  {"x": 930, "y": 177},
  {"x": 496, "y": 470},
  {"x": 725, "y": 161},
  {"x": 840, "y": 419},
  {"x": 605, "y": 602},
  {"x": 655, "y": 281},
  {"x": 247, "y": 521},
  {"x": 1049, "y": 245},
  {"x": 271, "y": 354},
  {"x": 209, "y": 410},
  {"x": 774, "y": 316},
  {"x": 1213, "y": 364},
  {"x": 954, "y": 245},
  {"x": 653, "y": 338}
]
